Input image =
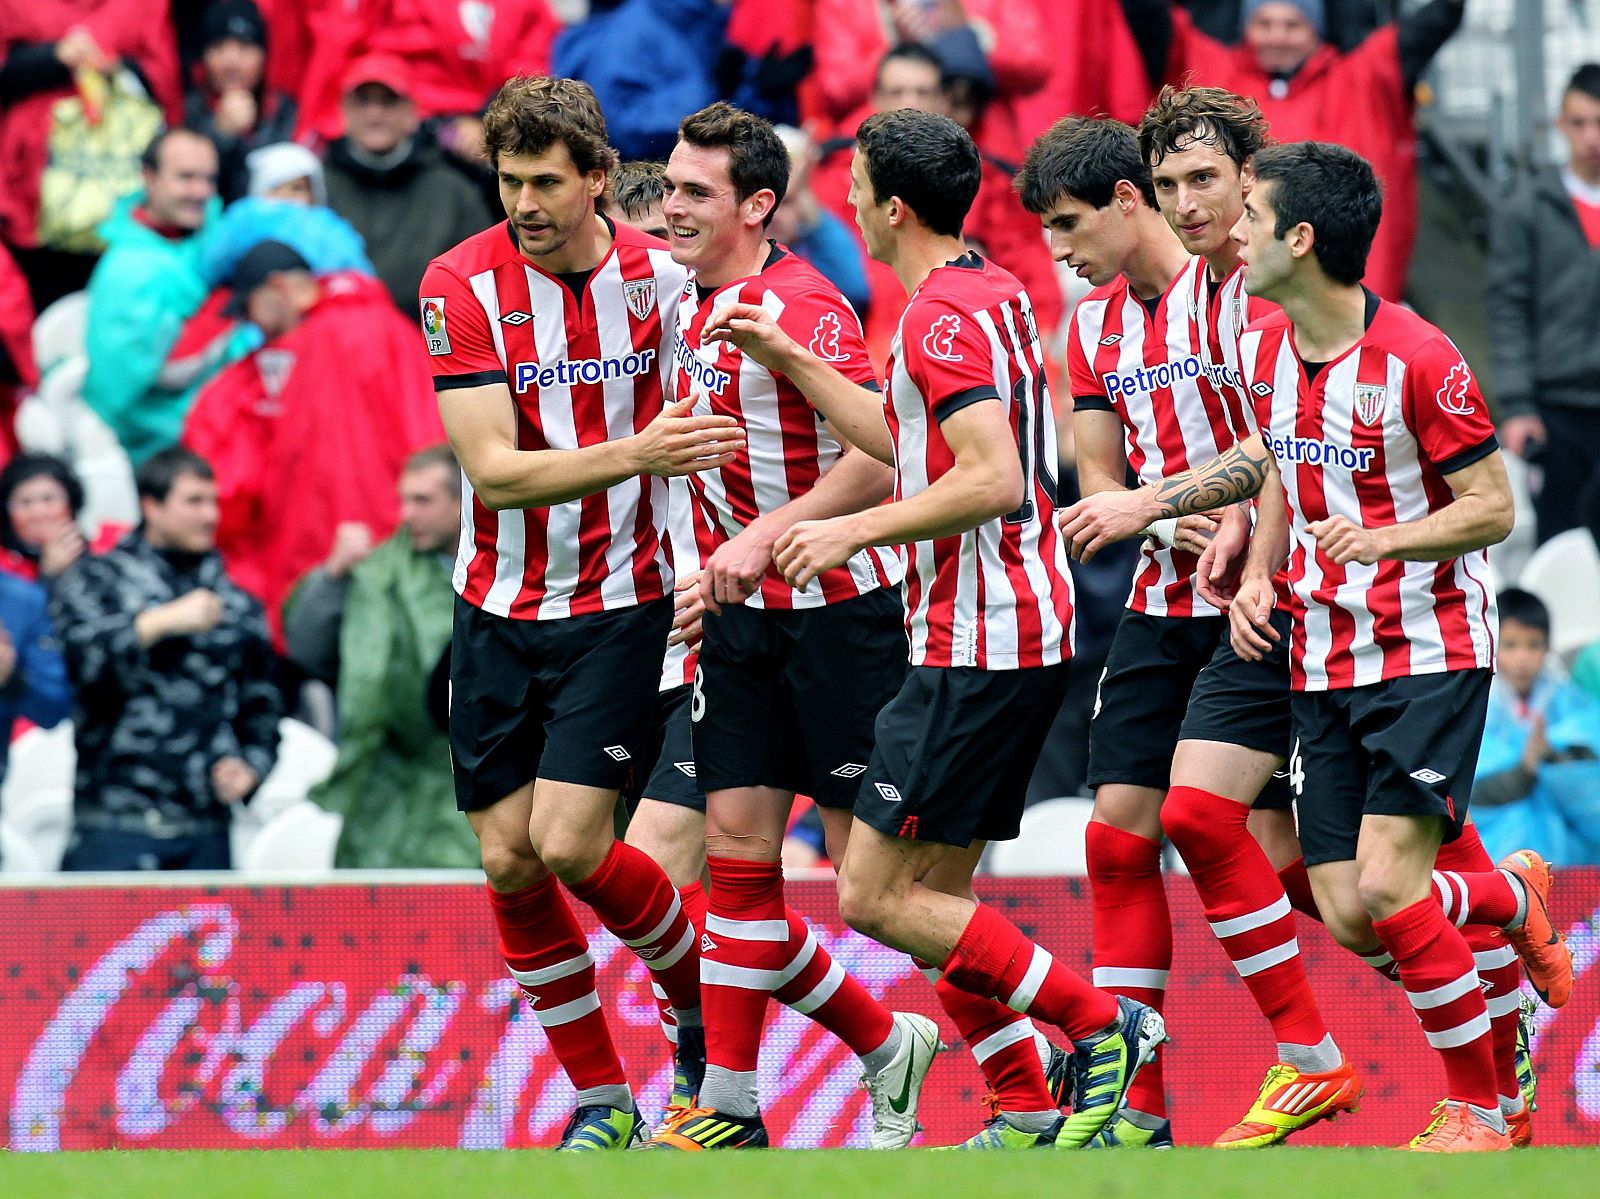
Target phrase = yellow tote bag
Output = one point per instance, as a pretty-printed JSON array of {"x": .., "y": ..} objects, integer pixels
[{"x": 96, "y": 137}]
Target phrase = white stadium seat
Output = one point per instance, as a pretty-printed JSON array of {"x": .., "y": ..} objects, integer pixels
[
  {"x": 1565, "y": 573},
  {"x": 17, "y": 854},
  {"x": 301, "y": 838},
  {"x": 42, "y": 760},
  {"x": 60, "y": 331},
  {"x": 1051, "y": 841}
]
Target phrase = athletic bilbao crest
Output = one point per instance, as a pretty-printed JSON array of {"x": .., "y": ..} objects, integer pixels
[
  {"x": 940, "y": 342},
  {"x": 641, "y": 297},
  {"x": 1371, "y": 399},
  {"x": 825, "y": 341}
]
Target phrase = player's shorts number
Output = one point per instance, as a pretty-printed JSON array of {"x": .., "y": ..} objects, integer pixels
[
  {"x": 697, "y": 700},
  {"x": 1297, "y": 771}
]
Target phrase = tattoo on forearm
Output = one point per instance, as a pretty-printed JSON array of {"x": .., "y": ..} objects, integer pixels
[{"x": 1236, "y": 475}]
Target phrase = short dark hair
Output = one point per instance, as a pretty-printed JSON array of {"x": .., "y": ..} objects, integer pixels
[
  {"x": 1181, "y": 116},
  {"x": 757, "y": 160},
  {"x": 908, "y": 52},
  {"x": 1585, "y": 79},
  {"x": 531, "y": 113},
  {"x": 1330, "y": 188},
  {"x": 1084, "y": 158},
  {"x": 1525, "y": 608},
  {"x": 22, "y": 469},
  {"x": 440, "y": 455},
  {"x": 927, "y": 160},
  {"x": 637, "y": 185},
  {"x": 157, "y": 473},
  {"x": 150, "y": 159}
]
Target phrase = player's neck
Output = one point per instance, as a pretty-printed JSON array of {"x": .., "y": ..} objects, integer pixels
[
  {"x": 1158, "y": 259},
  {"x": 1223, "y": 262},
  {"x": 1328, "y": 318},
  {"x": 583, "y": 250},
  {"x": 748, "y": 261},
  {"x": 920, "y": 252}
]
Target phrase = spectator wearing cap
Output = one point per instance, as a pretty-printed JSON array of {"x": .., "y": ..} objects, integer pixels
[
  {"x": 176, "y": 716},
  {"x": 311, "y": 430},
  {"x": 1309, "y": 90},
  {"x": 286, "y": 171},
  {"x": 392, "y": 183},
  {"x": 230, "y": 101},
  {"x": 144, "y": 289}
]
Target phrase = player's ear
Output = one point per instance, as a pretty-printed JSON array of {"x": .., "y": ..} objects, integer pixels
[
  {"x": 1301, "y": 240},
  {"x": 595, "y": 183},
  {"x": 1126, "y": 197},
  {"x": 759, "y": 206}
]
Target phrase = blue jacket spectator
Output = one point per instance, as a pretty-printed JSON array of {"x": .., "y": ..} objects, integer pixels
[{"x": 33, "y": 674}]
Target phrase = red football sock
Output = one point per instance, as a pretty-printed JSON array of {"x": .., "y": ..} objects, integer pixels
[
  {"x": 815, "y": 985},
  {"x": 1297, "y": 886},
  {"x": 547, "y": 954},
  {"x": 1246, "y": 907},
  {"x": 993, "y": 959},
  {"x": 1501, "y": 975},
  {"x": 693, "y": 898},
  {"x": 633, "y": 898},
  {"x": 745, "y": 945},
  {"x": 1002, "y": 1043},
  {"x": 1132, "y": 934},
  {"x": 1441, "y": 981},
  {"x": 1469, "y": 888}
]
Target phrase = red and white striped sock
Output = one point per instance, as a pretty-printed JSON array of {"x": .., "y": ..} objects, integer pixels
[
  {"x": 1246, "y": 907},
  {"x": 693, "y": 898},
  {"x": 815, "y": 985},
  {"x": 1132, "y": 934},
  {"x": 1500, "y": 973},
  {"x": 1002, "y": 1042},
  {"x": 633, "y": 898},
  {"x": 742, "y": 951},
  {"x": 1441, "y": 981},
  {"x": 546, "y": 952},
  {"x": 1470, "y": 889},
  {"x": 995, "y": 960}
]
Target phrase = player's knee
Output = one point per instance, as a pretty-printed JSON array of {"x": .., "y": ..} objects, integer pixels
[
  {"x": 1185, "y": 827},
  {"x": 1383, "y": 891},
  {"x": 862, "y": 907},
  {"x": 510, "y": 867},
  {"x": 1347, "y": 922},
  {"x": 573, "y": 856}
]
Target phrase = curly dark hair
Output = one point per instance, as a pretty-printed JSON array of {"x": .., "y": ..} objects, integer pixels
[
  {"x": 531, "y": 113},
  {"x": 22, "y": 469},
  {"x": 1183, "y": 115}
]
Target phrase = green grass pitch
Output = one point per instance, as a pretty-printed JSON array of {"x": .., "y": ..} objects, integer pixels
[{"x": 444, "y": 1174}]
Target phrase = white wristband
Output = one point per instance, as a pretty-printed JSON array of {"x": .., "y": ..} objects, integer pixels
[{"x": 1165, "y": 531}]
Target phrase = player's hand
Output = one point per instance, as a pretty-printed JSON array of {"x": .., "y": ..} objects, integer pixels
[
  {"x": 688, "y": 609},
  {"x": 752, "y": 329},
  {"x": 1194, "y": 533},
  {"x": 1520, "y": 434},
  {"x": 676, "y": 443},
  {"x": 735, "y": 569},
  {"x": 1344, "y": 541},
  {"x": 232, "y": 779},
  {"x": 813, "y": 546},
  {"x": 1250, "y": 630},
  {"x": 1095, "y": 521},
  {"x": 1220, "y": 568}
]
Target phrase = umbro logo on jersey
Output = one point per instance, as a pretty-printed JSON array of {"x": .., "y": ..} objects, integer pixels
[
  {"x": 617, "y": 752},
  {"x": 1371, "y": 399},
  {"x": 825, "y": 341},
  {"x": 1262, "y": 389},
  {"x": 515, "y": 318},
  {"x": 891, "y": 794},
  {"x": 1111, "y": 339},
  {"x": 686, "y": 767},
  {"x": 641, "y": 296},
  {"x": 940, "y": 342},
  {"x": 848, "y": 771},
  {"x": 1427, "y": 777}
]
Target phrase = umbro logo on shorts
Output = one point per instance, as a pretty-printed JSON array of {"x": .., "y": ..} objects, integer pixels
[
  {"x": 617, "y": 752},
  {"x": 890, "y": 793},
  {"x": 849, "y": 770},
  {"x": 686, "y": 767},
  {"x": 1428, "y": 777}
]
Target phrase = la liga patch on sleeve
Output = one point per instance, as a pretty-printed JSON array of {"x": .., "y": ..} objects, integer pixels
[{"x": 433, "y": 327}]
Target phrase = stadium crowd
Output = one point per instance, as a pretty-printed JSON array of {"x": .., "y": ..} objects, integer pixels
[{"x": 232, "y": 204}]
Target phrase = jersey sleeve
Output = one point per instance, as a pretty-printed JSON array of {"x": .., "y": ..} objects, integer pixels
[
  {"x": 948, "y": 356},
  {"x": 1088, "y": 391},
  {"x": 825, "y": 324},
  {"x": 456, "y": 329},
  {"x": 1445, "y": 409}
]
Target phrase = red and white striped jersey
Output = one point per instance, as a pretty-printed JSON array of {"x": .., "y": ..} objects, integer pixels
[
  {"x": 788, "y": 445},
  {"x": 580, "y": 372},
  {"x": 1371, "y": 438},
  {"x": 997, "y": 597},
  {"x": 683, "y": 552},
  {"x": 1167, "y": 373}
]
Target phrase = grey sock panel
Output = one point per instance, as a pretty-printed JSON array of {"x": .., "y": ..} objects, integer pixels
[
  {"x": 1489, "y": 1115},
  {"x": 731, "y": 1092},
  {"x": 883, "y": 1054},
  {"x": 617, "y": 1096},
  {"x": 687, "y": 1017},
  {"x": 1142, "y": 1120},
  {"x": 1522, "y": 900},
  {"x": 1034, "y": 1122},
  {"x": 1311, "y": 1059},
  {"x": 1511, "y": 1105}
]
